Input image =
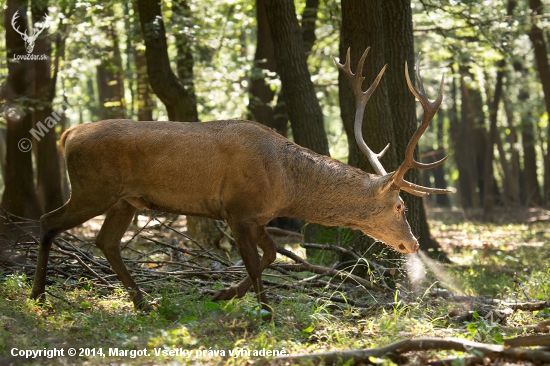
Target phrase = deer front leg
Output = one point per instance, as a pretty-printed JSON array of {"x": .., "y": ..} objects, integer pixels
[
  {"x": 79, "y": 208},
  {"x": 246, "y": 238},
  {"x": 116, "y": 222}
]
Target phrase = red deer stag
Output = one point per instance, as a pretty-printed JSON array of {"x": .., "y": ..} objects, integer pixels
[{"x": 238, "y": 171}]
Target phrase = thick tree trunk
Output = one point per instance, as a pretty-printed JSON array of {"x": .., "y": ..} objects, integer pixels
[
  {"x": 145, "y": 103},
  {"x": 303, "y": 107},
  {"x": 47, "y": 165},
  {"x": 533, "y": 196},
  {"x": 260, "y": 92},
  {"x": 164, "y": 82},
  {"x": 438, "y": 172},
  {"x": 472, "y": 139},
  {"x": 541, "y": 59},
  {"x": 465, "y": 191},
  {"x": 489, "y": 178},
  {"x": 184, "y": 62},
  {"x": 19, "y": 195},
  {"x": 515, "y": 167},
  {"x": 362, "y": 27},
  {"x": 110, "y": 81},
  {"x": 398, "y": 48}
]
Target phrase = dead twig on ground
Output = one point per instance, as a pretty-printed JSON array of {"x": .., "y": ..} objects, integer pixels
[{"x": 396, "y": 350}]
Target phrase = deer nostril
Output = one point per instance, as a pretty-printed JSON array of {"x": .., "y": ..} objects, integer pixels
[{"x": 416, "y": 246}]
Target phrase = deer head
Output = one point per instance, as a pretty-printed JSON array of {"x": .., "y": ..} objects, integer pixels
[
  {"x": 386, "y": 202},
  {"x": 29, "y": 40}
]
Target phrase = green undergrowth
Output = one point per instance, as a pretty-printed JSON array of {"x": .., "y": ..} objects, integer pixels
[{"x": 507, "y": 262}]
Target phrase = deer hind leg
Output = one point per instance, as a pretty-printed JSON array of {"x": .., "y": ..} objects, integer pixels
[
  {"x": 77, "y": 210},
  {"x": 247, "y": 237},
  {"x": 116, "y": 222}
]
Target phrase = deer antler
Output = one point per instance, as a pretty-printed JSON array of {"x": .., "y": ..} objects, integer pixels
[
  {"x": 361, "y": 99},
  {"x": 13, "y": 19},
  {"x": 430, "y": 108}
]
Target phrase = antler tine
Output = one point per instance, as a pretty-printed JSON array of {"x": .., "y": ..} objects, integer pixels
[
  {"x": 361, "y": 99},
  {"x": 430, "y": 108}
]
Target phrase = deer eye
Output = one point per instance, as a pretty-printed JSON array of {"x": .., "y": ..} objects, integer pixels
[{"x": 398, "y": 207}]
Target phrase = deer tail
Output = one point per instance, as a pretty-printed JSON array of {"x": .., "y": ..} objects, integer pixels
[{"x": 63, "y": 138}]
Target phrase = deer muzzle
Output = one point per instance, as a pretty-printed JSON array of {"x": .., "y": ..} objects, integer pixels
[{"x": 410, "y": 247}]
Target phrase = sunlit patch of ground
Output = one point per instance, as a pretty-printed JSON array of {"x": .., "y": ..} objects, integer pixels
[{"x": 507, "y": 261}]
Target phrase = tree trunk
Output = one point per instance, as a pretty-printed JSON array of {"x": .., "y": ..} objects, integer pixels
[
  {"x": 392, "y": 105},
  {"x": 302, "y": 104},
  {"x": 466, "y": 191},
  {"x": 110, "y": 82},
  {"x": 184, "y": 62},
  {"x": 398, "y": 48},
  {"x": 164, "y": 82},
  {"x": 177, "y": 95},
  {"x": 260, "y": 92},
  {"x": 438, "y": 172},
  {"x": 489, "y": 178},
  {"x": 515, "y": 167},
  {"x": 361, "y": 27},
  {"x": 530, "y": 162},
  {"x": 472, "y": 137},
  {"x": 19, "y": 195},
  {"x": 47, "y": 165},
  {"x": 541, "y": 59},
  {"x": 145, "y": 103}
]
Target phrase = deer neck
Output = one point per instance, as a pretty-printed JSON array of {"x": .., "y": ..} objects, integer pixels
[{"x": 331, "y": 193}]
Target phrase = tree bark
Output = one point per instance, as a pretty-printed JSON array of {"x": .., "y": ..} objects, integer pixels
[
  {"x": 260, "y": 92},
  {"x": 19, "y": 195},
  {"x": 362, "y": 27},
  {"x": 184, "y": 62},
  {"x": 145, "y": 103},
  {"x": 110, "y": 81},
  {"x": 398, "y": 48},
  {"x": 164, "y": 82},
  {"x": 541, "y": 59},
  {"x": 438, "y": 172},
  {"x": 473, "y": 139},
  {"x": 466, "y": 190},
  {"x": 303, "y": 107},
  {"x": 533, "y": 196},
  {"x": 515, "y": 167},
  {"x": 47, "y": 163},
  {"x": 489, "y": 178}
]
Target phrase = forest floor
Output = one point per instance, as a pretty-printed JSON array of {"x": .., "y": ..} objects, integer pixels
[{"x": 486, "y": 295}]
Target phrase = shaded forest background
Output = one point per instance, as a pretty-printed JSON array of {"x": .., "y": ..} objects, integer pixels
[{"x": 271, "y": 61}]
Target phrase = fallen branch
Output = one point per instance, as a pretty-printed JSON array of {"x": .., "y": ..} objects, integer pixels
[
  {"x": 529, "y": 341},
  {"x": 422, "y": 344},
  {"x": 303, "y": 265}
]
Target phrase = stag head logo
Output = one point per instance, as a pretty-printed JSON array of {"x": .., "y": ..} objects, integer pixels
[{"x": 29, "y": 40}]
